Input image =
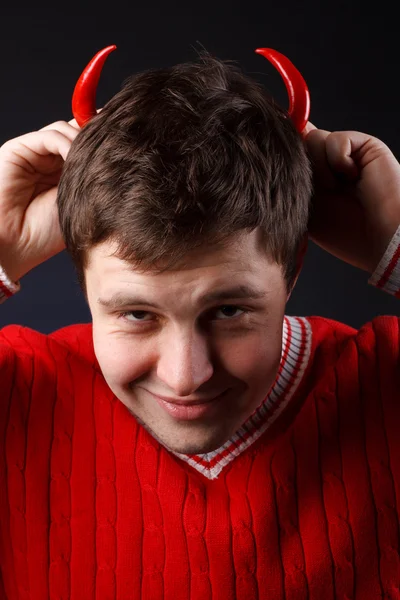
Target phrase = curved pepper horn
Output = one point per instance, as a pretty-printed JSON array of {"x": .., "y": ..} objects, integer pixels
[
  {"x": 299, "y": 96},
  {"x": 84, "y": 97}
]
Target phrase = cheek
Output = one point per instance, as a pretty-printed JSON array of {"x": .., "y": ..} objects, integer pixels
[
  {"x": 254, "y": 357},
  {"x": 120, "y": 360}
]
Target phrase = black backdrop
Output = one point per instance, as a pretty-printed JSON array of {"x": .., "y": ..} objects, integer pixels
[{"x": 347, "y": 51}]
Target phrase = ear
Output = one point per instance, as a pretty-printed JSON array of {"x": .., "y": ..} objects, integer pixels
[{"x": 299, "y": 263}]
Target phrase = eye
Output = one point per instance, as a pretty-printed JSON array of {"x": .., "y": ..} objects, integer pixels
[
  {"x": 229, "y": 308},
  {"x": 136, "y": 313},
  {"x": 226, "y": 310}
]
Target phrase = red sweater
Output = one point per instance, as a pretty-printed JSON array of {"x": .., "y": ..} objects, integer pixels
[{"x": 303, "y": 502}]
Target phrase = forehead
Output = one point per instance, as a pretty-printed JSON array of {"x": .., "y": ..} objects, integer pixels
[{"x": 239, "y": 260}]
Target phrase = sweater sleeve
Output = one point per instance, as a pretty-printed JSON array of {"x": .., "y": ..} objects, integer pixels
[
  {"x": 387, "y": 274},
  {"x": 7, "y": 286}
]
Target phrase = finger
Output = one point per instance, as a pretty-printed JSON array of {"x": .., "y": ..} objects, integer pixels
[
  {"x": 309, "y": 127},
  {"x": 316, "y": 148},
  {"x": 340, "y": 148},
  {"x": 74, "y": 124},
  {"x": 64, "y": 128},
  {"x": 354, "y": 147},
  {"x": 31, "y": 146}
]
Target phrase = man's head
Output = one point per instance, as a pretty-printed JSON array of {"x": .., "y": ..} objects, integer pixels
[{"x": 190, "y": 181}]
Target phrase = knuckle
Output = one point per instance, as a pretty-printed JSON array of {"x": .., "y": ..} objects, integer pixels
[
  {"x": 10, "y": 145},
  {"x": 53, "y": 134},
  {"x": 5, "y": 145},
  {"x": 60, "y": 124}
]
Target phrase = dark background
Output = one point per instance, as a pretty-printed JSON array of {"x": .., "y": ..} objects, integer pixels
[{"x": 347, "y": 52}]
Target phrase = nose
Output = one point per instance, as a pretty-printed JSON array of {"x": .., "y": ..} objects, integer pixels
[{"x": 184, "y": 363}]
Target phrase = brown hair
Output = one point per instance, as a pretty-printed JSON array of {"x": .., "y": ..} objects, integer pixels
[{"x": 180, "y": 157}]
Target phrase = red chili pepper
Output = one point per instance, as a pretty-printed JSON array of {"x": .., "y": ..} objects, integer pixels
[
  {"x": 299, "y": 96},
  {"x": 84, "y": 97}
]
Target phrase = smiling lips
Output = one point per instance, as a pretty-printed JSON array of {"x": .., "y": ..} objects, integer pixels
[
  {"x": 187, "y": 410},
  {"x": 187, "y": 402}
]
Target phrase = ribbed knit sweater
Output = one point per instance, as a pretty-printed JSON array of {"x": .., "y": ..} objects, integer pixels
[{"x": 302, "y": 503}]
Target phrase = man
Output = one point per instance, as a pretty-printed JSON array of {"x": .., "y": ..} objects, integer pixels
[{"x": 172, "y": 449}]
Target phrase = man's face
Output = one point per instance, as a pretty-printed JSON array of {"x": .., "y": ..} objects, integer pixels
[{"x": 157, "y": 335}]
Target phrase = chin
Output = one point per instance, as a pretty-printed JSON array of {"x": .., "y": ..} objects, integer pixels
[
  {"x": 191, "y": 448},
  {"x": 188, "y": 441},
  {"x": 199, "y": 442}
]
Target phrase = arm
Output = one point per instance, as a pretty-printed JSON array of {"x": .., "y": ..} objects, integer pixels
[{"x": 30, "y": 168}]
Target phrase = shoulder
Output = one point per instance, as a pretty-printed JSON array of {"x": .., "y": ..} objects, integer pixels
[
  {"x": 360, "y": 354},
  {"x": 73, "y": 342},
  {"x": 382, "y": 331}
]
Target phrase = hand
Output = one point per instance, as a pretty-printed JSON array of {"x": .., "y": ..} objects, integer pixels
[
  {"x": 356, "y": 204},
  {"x": 30, "y": 169}
]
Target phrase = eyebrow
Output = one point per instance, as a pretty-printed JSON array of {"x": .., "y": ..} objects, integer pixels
[{"x": 121, "y": 299}]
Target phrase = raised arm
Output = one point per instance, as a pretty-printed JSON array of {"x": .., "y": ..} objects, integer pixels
[
  {"x": 356, "y": 206},
  {"x": 30, "y": 168}
]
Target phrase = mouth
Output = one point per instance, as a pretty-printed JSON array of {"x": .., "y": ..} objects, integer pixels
[{"x": 190, "y": 409}]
